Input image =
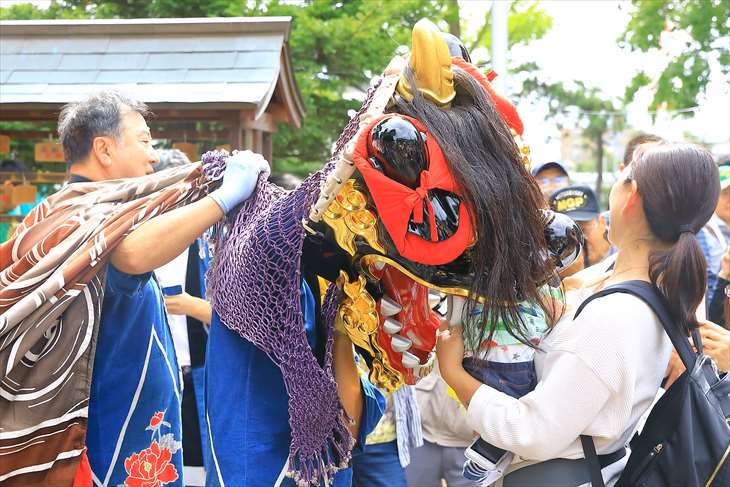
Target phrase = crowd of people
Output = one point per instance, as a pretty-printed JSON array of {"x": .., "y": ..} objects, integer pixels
[{"x": 178, "y": 397}]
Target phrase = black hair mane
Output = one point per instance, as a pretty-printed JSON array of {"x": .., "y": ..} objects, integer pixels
[{"x": 509, "y": 256}]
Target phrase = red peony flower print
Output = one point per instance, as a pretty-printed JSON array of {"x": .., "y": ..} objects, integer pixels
[
  {"x": 150, "y": 468},
  {"x": 156, "y": 420}
]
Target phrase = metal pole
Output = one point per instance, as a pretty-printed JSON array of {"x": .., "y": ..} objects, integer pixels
[{"x": 500, "y": 13}]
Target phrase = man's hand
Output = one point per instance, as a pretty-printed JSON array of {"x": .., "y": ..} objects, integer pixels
[
  {"x": 239, "y": 181},
  {"x": 178, "y": 304},
  {"x": 450, "y": 354},
  {"x": 716, "y": 344},
  {"x": 725, "y": 266},
  {"x": 187, "y": 305},
  {"x": 449, "y": 350},
  {"x": 161, "y": 239},
  {"x": 347, "y": 379}
]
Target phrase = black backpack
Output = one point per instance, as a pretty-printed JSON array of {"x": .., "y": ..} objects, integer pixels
[{"x": 686, "y": 439}]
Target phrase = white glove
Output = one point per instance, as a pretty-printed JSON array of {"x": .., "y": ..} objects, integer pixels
[{"x": 239, "y": 180}]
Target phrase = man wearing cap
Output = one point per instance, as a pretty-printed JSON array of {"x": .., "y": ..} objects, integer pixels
[
  {"x": 581, "y": 204},
  {"x": 551, "y": 176}
]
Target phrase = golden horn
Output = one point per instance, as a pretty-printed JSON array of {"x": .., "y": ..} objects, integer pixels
[{"x": 430, "y": 63}]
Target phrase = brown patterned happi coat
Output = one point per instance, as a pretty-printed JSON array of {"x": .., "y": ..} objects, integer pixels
[{"x": 52, "y": 274}]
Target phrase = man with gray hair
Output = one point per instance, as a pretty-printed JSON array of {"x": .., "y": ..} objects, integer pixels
[
  {"x": 105, "y": 137},
  {"x": 135, "y": 396}
]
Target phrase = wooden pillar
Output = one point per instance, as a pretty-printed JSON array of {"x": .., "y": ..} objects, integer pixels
[
  {"x": 258, "y": 133},
  {"x": 248, "y": 139},
  {"x": 268, "y": 148},
  {"x": 236, "y": 135},
  {"x": 258, "y": 141}
]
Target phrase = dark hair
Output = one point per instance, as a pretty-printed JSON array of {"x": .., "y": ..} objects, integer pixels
[
  {"x": 171, "y": 158},
  {"x": 679, "y": 186},
  {"x": 509, "y": 261},
  {"x": 636, "y": 141},
  {"x": 97, "y": 115},
  {"x": 13, "y": 165},
  {"x": 285, "y": 180}
]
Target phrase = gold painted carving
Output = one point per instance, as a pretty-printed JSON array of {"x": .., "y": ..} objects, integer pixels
[
  {"x": 357, "y": 314},
  {"x": 524, "y": 149},
  {"x": 349, "y": 217},
  {"x": 358, "y": 317}
]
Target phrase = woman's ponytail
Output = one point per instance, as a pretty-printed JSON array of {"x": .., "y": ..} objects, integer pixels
[
  {"x": 680, "y": 274},
  {"x": 679, "y": 185}
]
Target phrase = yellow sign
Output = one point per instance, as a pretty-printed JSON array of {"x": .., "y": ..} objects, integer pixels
[
  {"x": 4, "y": 144},
  {"x": 190, "y": 150},
  {"x": 23, "y": 193},
  {"x": 49, "y": 152}
]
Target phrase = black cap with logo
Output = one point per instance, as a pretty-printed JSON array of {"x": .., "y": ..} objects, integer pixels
[{"x": 578, "y": 202}]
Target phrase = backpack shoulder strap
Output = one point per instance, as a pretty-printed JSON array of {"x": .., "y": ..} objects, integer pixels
[
  {"x": 594, "y": 465},
  {"x": 650, "y": 295}
]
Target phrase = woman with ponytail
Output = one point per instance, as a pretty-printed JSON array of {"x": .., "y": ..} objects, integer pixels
[{"x": 600, "y": 372}]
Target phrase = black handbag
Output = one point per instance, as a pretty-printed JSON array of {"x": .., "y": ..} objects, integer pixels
[{"x": 686, "y": 439}]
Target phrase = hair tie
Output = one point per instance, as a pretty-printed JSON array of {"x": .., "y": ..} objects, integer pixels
[{"x": 686, "y": 229}]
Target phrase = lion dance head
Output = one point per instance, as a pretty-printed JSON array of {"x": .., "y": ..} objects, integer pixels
[{"x": 432, "y": 197}]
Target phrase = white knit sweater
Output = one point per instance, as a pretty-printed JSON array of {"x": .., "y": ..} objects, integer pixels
[{"x": 597, "y": 376}]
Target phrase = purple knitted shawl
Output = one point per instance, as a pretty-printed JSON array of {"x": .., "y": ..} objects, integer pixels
[{"x": 254, "y": 285}]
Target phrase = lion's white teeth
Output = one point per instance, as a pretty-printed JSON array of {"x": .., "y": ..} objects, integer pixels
[
  {"x": 388, "y": 307},
  {"x": 400, "y": 344},
  {"x": 391, "y": 326},
  {"x": 433, "y": 299},
  {"x": 414, "y": 338},
  {"x": 410, "y": 361}
]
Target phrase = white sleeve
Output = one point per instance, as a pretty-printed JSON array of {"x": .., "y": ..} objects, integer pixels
[{"x": 546, "y": 421}]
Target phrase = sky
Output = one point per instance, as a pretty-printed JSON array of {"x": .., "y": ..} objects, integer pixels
[{"x": 582, "y": 46}]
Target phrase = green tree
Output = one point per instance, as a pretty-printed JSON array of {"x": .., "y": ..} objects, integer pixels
[
  {"x": 705, "y": 27},
  {"x": 329, "y": 58},
  {"x": 595, "y": 112},
  {"x": 337, "y": 47},
  {"x": 29, "y": 11},
  {"x": 527, "y": 22}
]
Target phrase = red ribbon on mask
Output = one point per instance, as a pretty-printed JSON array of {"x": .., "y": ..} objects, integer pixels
[
  {"x": 420, "y": 199},
  {"x": 396, "y": 202}
]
